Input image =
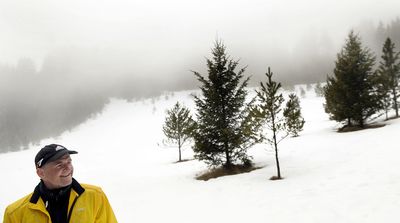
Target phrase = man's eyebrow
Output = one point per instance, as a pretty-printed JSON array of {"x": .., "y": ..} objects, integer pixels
[
  {"x": 57, "y": 162},
  {"x": 61, "y": 160}
]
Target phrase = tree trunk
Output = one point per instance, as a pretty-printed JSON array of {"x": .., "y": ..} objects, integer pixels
[
  {"x": 180, "y": 152},
  {"x": 395, "y": 102},
  {"x": 276, "y": 147},
  {"x": 228, "y": 163},
  {"x": 386, "y": 111},
  {"x": 276, "y": 158},
  {"x": 361, "y": 123}
]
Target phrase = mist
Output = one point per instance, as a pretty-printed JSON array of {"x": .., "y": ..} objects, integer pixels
[{"x": 61, "y": 61}]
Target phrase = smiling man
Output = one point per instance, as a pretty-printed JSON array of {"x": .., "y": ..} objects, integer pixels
[{"x": 59, "y": 198}]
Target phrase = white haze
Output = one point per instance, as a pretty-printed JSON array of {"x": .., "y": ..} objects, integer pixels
[{"x": 147, "y": 36}]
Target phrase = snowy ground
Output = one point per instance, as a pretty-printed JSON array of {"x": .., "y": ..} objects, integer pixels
[{"x": 329, "y": 176}]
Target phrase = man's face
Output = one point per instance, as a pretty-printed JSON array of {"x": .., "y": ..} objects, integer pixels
[{"x": 58, "y": 173}]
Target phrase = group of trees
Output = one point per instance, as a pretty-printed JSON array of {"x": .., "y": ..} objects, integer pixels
[
  {"x": 227, "y": 122},
  {"x": 356, "y": 91}
]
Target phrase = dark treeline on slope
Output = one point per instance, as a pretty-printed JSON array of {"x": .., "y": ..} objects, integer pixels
[
  {"x": 375, "y": 35},
  {"x": 70, "y": 87},
  {"x": 39, "y": 104},
  {"x": 311, "y": 59}
]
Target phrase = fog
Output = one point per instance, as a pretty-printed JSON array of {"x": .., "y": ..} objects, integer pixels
[
  {"x": 61, "y": 60},
  {"x": 168, "y": 38}
]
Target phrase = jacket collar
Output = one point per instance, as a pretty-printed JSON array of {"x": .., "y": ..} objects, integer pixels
[{"x": 75, "y": 186}]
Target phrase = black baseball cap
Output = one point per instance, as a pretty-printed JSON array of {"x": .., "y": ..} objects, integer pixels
[{"x": 50, "y": 153}]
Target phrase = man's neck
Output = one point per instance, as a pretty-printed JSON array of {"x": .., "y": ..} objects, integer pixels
[{"x": 53, "y": 194}]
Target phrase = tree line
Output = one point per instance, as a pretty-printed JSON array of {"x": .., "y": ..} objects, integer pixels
[{"x": 227, "y": 124}]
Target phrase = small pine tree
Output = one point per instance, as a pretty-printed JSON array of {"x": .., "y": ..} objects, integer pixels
[
  {"x": 302, "y": 92},
  {"x": 319, "y": 90},
  {"x": 292, "y": 113},
  {"x": 225, "y": 128},
  {"x": 289, "y": 88},
  {"x": 178, "y": 126},
  {"x": 268, "y": 111},
  {"x": 350, "y": 94},
  {"x": 308, "y": 87},
  {"x": 388, "y": 76}
]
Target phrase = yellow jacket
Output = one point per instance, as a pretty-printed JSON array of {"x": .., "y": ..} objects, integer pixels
[{"x": 87, "y": 204}]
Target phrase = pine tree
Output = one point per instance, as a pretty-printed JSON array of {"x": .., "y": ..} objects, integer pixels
[
  {"x": 178, "y": 126},
  {"x": 268, "y": 111},
  {"x": 225, "y": 128},
  {"x": 302, "y": 92},
  {"x": 292, "y": 113},
  {"x": 319, "y": 90},
  {"x": 350, "y": 94},
  {"x": 388, "y": 76}
]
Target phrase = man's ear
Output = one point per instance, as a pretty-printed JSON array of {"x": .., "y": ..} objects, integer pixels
[{"x": 40, "y": 172}]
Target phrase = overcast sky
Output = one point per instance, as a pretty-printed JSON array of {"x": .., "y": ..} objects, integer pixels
[{"x": 171, "y": 33}]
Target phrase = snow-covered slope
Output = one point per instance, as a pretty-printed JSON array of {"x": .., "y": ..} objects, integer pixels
[{"x": 329, "y": 176}]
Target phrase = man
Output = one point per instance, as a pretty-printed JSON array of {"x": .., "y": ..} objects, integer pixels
[{"x": 59, "y": 198}]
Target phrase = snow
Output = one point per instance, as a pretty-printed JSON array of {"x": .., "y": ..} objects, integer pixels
[{"x": 329, "y": 176}]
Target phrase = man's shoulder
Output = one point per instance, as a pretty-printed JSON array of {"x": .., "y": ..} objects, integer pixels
[
  {"x": 21, "y": 203},
  {"x": 92, "y": 188}
]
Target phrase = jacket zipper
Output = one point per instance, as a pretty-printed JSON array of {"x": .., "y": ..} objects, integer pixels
[{"x": 72, "y": 207}]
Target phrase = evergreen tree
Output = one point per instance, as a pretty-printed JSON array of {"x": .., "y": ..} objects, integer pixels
[
  {"x": 308, "y": 87},
  {"x": 268, "y": 111},
  {"x": 388, "y": 76},
  {"x": 178, "y": 126},
  {"x": 383, "y": 91},
  {"x": 319, "y": 90},
  {"x": 302, "y": 92},
  {"x": 225, "y": 128},
  {"x": 292, "y": 113},
  {"x": 350, "y": 94}
]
